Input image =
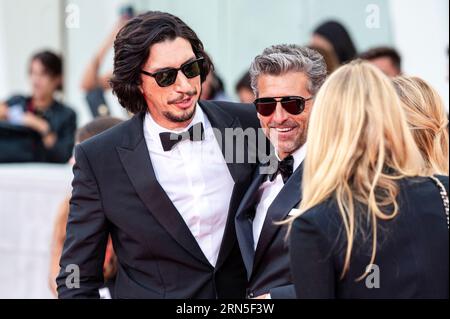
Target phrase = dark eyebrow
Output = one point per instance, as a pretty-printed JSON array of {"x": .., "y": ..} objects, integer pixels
[{"x": 167, "y": 69}]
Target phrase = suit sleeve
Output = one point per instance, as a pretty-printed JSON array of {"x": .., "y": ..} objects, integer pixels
[
  {"x": 284, "y": 292},
  {"x": 86, "y": 238},
  {"x": 312, "y": 264}
]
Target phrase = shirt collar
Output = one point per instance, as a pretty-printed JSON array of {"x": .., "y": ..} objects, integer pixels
[{"x": 298, "y": 155}]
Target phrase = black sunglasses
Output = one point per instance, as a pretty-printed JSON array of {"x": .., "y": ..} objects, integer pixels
[
  {"x": 292, "y": 104},
  {"x": 167, "y": 77}
]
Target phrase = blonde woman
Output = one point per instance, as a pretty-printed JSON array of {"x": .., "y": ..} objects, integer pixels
[
  {"x": 427, "y": 119},
  {"x": 368, "y": 225}
]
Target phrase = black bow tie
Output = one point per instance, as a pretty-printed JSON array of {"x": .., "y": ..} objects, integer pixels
[
  {"x": 285, "y": 168},
  {"x": 169, "y": 140}
]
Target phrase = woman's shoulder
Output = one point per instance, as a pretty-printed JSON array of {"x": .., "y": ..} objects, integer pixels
[
  {"x": 419, "y": 187},
  {"x": 325, "y": 216}
]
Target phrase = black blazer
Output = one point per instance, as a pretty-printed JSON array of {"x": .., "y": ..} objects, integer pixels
[
  {"x": 412, "y": 252},
  {"x": 115, "y": 192},
  {"x": 268, "y": 268}
]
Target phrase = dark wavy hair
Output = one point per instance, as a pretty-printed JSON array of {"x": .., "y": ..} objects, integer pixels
[
  {"x": 132, "y": 49},
  {"x": 52, "y": 62}
]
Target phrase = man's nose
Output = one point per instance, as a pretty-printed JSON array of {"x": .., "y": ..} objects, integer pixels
[
  {"x": 280, "y": 115},
  {"x": 182, "y": 83}
]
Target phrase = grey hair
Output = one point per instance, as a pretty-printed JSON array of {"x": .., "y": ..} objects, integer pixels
[{"x": 283, "y": 58}]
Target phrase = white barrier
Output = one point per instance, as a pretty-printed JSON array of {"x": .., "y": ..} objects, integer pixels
[{"x": 30, "y": 195}]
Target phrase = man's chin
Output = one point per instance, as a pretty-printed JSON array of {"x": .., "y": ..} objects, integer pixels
[
  {"x": 287, "y": 147},
  {"x": 181, "y": 116}
]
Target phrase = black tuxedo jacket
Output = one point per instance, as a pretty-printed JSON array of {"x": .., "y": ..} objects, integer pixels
[
  {"x": 268, "y": 268},
  {"x": 412, "y": 258},
  {"x": 115, "y": 191}
]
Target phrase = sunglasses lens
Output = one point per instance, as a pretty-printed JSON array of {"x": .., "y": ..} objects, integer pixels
[
  {"x": 265, "y": 107},
  {"x": 293, "y": 106},
  {"x": 166, "y": 78},
  {"x": 191, "y": 70}
]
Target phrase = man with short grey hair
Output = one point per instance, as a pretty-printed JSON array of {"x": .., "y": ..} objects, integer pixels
[{"x": 285, "y": 79}]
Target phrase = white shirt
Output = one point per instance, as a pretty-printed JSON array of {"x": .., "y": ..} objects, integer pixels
[
  {"x": 267, "y": 193},
  {"x": 196, "y": 178}
]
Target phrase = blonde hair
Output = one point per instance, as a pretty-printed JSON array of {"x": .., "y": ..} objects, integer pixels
[
  {"x": 359, "y": 145},
  {"x": 427, "y": 120}
]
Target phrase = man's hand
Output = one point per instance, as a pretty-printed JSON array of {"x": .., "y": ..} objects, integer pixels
[
  {"x": 32, "y": 121},
  {"x": 265, "y": 296},
  {"x": 40, "y": 125},
  {"x": 49, "y": 140}
]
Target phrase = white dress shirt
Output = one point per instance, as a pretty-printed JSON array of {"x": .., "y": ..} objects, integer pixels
[
  {"x": 267, "y": 193},
  {"x": 196, "y": 178}
]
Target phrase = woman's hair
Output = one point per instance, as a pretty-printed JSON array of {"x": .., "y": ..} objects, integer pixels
[
  {"x": 132, "y": 49},
  {"x": 359, "y": 145},
  {"x": 53, "y": 64},
  {"x": 427, "y": 120},
  {"x": 339, "y": 38}
]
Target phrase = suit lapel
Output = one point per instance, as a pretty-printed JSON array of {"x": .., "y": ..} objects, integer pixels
[
  {"x": 136, "y": 161},
  {"x": 244, "y": 218},
  {"x": 288, "y": 198}
]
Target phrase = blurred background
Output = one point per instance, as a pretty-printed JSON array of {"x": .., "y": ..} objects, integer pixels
[{"x": 233, "y": 33}]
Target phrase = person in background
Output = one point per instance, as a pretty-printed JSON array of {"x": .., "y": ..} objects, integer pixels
[
  {"x": 42, "y": 113},
  {"x": 427, "y": 120},
  {"x": 213, "y": 88},
  {"x": 330, "y": 57},
  {"x": 387, "y": 59},
  {"x": 370, "y": 224},
  {"x": 333, "y": 36},
  {"x": 94, "y": 84},
  {"x": 91, "y": 129},
  {"x": 244, "y": 89}
]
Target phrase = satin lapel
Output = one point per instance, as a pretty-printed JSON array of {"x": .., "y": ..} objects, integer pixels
[
  {"x": 288, "y": 198},
  {"x": 244, "y": 220}
]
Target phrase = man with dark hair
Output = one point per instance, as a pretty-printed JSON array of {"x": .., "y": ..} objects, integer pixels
[
  {"x": 386, "y": 59},
  {"x": 161, "y": 183}
]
